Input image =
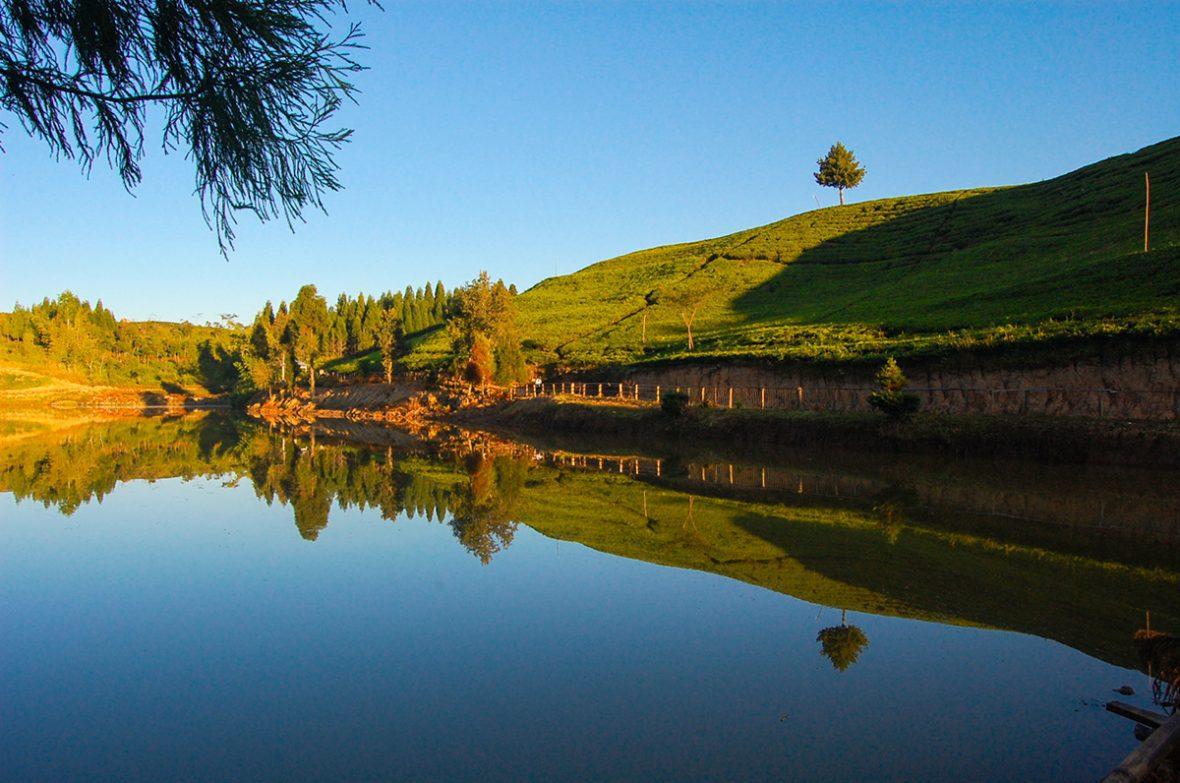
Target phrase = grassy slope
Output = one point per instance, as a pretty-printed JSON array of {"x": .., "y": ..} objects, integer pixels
[{"x": 902, "y": 275}]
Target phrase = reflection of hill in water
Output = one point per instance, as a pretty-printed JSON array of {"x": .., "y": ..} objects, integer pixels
[{"x": 891, "y": 538}]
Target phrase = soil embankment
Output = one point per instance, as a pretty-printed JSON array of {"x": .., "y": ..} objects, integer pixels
[
  {"x": 392, "y": 402},
  {"x": 1138, "y": 381}
]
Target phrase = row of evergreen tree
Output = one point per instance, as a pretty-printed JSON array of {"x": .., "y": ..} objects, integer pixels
[{"x": 417, "y": 309}]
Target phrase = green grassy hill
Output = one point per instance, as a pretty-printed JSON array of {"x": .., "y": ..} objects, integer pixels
[{"x": 910, "y": 275}]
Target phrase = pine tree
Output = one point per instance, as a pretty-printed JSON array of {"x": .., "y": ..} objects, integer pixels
[
  {"x": 839, "y": 169},
  {"x": 440, "y": 300},
  {"x": 428, "y": 305}
]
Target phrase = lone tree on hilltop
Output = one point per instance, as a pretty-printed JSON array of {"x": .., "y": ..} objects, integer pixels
[
  {"x": 839, "y": 169},
  {"x": 244, "y": 89}
]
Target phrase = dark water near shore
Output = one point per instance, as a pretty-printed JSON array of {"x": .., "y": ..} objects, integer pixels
[{"x": 206, "y": 599}]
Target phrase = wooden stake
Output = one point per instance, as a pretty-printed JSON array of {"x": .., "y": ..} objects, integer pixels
[{"x": 1147, "y": 213}]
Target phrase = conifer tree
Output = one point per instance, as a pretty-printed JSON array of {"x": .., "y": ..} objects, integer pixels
[
  {"x": 246, "y": 91},
  {"x": 839, "y": 169}
]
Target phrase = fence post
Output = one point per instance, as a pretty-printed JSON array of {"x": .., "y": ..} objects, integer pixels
[
  {"x": 731, "y": 400},
  {"x": 702, "y": 394},
  {"x": 620, "y": 391},
  {"x": 657, "y": 395},
  {"x": 799, "y": 392},
  {"x": 762, "y": 394}
]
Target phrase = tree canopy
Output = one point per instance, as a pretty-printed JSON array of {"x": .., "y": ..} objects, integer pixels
[
  {"x": 839, "y": 169},
  {"x": 246, "y": 90},
  {"x": 484, "y": 336}
]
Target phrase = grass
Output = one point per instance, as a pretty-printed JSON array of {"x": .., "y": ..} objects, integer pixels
[
  {"x": 13, "y": 381},
  {"x": 357, "y": 362},
  {"x": 917, "y": 275}
]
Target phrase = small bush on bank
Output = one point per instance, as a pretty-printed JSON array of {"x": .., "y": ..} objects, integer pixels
[
  {"x": 674, "y": 403},
  {"x": 892, "y": 399}
]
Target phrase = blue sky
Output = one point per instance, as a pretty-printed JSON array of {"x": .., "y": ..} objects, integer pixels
[{"x": 532, "y": 139}]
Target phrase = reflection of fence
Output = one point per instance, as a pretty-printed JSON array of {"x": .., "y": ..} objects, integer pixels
[{"x": 1048, "y": 401}]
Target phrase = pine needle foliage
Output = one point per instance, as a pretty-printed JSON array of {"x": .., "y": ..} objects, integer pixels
[
  {"x": 839, "y": 169},
  {"x": 247, "y": 90}
]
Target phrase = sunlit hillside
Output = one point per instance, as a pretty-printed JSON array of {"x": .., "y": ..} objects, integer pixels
[{"x": 903, "y": 275}]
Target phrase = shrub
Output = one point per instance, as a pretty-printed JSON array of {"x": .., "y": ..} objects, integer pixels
[
  {"x": 674, "y": 403},
  {"x": 892, "y": 399}
]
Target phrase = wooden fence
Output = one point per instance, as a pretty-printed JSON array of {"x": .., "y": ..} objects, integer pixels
[{"x": 1050, "y": 401}]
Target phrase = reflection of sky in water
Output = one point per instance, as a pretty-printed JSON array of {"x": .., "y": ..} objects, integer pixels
[{"x": 185, "y": 630}]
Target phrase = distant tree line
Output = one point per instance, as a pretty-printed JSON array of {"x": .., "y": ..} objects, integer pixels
[
  {"x": 90, "y": 342},
  {"x": 282, "y": 346}
]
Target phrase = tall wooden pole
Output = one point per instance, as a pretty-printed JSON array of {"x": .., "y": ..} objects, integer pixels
[{"x": 1147, "y": 213}]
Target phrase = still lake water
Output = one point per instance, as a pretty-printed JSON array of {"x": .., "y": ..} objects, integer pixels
[{"x": 204, "y": 599}]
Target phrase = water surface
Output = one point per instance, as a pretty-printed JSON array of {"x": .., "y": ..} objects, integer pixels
[{"x": 205, "y": 599}]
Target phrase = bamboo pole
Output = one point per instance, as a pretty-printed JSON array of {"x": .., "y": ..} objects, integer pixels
[
  {"x": 1144, "y": 759},
  {"x": 1137, "y": 714}
]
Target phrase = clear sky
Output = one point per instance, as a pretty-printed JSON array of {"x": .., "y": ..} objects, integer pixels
[{"x": 532, "y": 139}]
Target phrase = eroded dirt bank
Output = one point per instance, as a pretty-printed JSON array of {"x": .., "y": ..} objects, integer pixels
[{"x": 1140, "y": 381}]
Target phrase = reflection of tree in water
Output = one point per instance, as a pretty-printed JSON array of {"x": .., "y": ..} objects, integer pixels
[
  {"x": 480, "y": 514},
  {"x": 311, "y": 498},
  {"x": 890, "y": 509},
  {"x": 1160, "y": 654},
  {"x": 842, "y": 644},
  {"x": 64, "y": 471}
]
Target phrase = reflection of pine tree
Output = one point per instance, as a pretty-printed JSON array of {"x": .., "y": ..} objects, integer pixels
[
  {"x": 481, "y": 512},
  {"x": 310, "y": 498},
  {"x": 842, "y": 644}
]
